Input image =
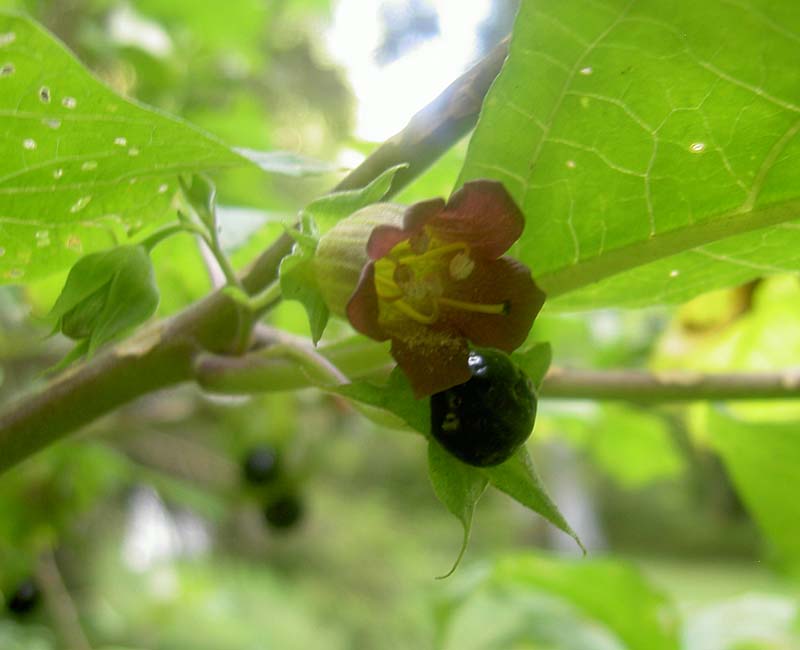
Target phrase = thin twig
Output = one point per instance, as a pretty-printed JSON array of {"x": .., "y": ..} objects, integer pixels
[
  {"x": 180, "y": 456},
  {"x": 62, "y": 609},
  {"x": 163, "y": 354},
  {"x": 428, "y": 135},
  {"x": 258, "y": 372},
  {"x": 652, "y": 388}
]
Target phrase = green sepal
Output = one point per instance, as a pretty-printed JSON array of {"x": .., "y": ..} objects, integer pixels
[
  {"x": 79, "y": 321},
  {"x": 458, "y": 487},
  {"x": 298, "y": 277},
  {"x": 517, "y": 477},
  {"x": 535, "y": 361},
  {"x": 132, "y": 297},
  {"x": 331, "y": 208},
  {"x": 395, "y": 396},
  {"x": 87, "y": 276}
]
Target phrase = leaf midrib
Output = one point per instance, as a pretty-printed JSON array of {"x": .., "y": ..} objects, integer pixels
[{"x": 665, "y": 244}]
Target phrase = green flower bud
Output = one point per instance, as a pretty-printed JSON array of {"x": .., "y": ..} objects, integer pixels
[
  {"x": 105, "y": 294},
  {"x": 80, "y": 321}
]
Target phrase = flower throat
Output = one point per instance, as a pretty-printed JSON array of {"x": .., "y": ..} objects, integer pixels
[{"x": 414, "y": 276}]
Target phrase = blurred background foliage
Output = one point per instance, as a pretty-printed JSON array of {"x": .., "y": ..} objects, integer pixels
[{"x": 142, "y": 533}]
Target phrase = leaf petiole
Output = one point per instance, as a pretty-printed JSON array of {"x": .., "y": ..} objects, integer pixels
[{"x": 266, "y": 300}]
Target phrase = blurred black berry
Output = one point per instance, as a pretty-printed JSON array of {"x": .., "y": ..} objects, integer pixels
[
  {"x": 24, "y": 598},
  {"x": 261, "y": 465},
  {"x": 283, "y": 512}
]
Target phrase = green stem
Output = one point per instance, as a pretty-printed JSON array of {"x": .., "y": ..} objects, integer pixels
[
  {"x": 659, "y": 388},
  {"x": 266, "y": 300},
  {"x": 211, "y": 238},
  {"x": 291, "y": 365},
  {"x": 222, "y": 259},
  {"x": 63, "y": 611},
  {"x": 165, "y": 355},
  {"x": 158, "y": 236}
]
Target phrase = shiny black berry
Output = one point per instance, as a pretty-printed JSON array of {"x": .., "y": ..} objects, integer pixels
[
  {"x": 485, "y": 420},
  {"x": 261, "y": 465},
  {"x": 283, "y": 511},
  {"x": 25, "y": 597}
]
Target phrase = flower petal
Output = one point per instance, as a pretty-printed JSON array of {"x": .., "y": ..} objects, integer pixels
[
  {"x": 433, "y": 361},
  {"x": 418, "y": 214},
  {"x": 494, "y": 282},
  {"x": 483, "y": 215},
  {"x": 363, "y": 308},
  {"x": 385, "y": 237}
]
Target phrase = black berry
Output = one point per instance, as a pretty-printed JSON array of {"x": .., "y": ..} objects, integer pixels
[
  {"x": 485, "y": 420},
  {"x": 283, "y": 511},
  {"x": 261, "y": 465},
  {"x": 25, "y": 597}
]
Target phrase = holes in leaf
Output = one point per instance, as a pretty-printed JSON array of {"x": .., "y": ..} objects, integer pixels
[{"x": 80, "y": 204}]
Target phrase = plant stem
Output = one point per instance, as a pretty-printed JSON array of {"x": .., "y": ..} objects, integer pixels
[
  {"x": 259, "y": 372},
  {"x": 63, "y": 611},
  {"x": 222, "y": 259},
  {"x": 276, "y": 368},
  {"x": 158, "y": 236},
  {"x": 658, "y": 388},
  {"x": 211, "y": 238},
  {"x": 430, "y": 133},
  {"x": 264, "y": 301},
  {"x": 164, "y": 354}
]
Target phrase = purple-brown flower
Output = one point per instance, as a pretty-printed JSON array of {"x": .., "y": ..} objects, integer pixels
[{"x": 432, "y": 278}]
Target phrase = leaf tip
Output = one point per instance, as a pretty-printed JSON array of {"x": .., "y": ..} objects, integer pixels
[{"x": 464, "y": 544}]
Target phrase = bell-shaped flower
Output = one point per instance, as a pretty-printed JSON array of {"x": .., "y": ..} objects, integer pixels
[{"x": 432, "y": 278}]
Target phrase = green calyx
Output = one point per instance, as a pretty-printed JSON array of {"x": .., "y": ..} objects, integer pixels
[
  {"x": 106, "y": 294},
  {"x": 342, "y": 252},
  {"x": 80, "y": 321}
]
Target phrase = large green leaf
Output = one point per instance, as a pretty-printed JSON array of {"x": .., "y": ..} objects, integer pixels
[
  {"x": 763, "y": 460},
  {"x": 79, "y": 165},
  {"x": 610, "y": 593},
  {"x": 633, "y": 446},
  {"x": 637, "y": 134}
]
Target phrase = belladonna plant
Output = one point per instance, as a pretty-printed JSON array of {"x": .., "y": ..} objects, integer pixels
[{"x": 432, "y": 278}]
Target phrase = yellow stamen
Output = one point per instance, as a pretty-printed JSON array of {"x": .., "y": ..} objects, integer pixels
[
  {"x": 434, "y": 252},
  {"x": 412, "y": 313},
  {"x": 386, "y": 288},
  {"x": 502, "y": 308}
]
